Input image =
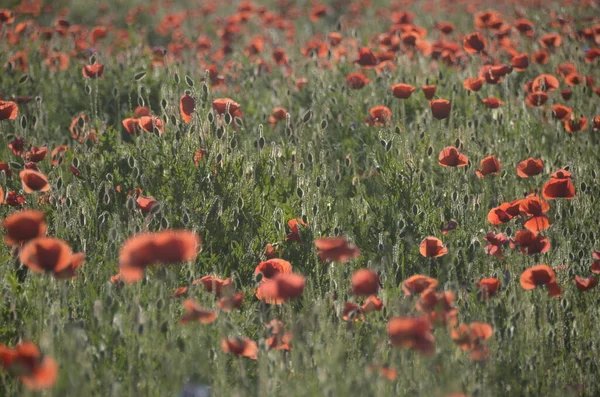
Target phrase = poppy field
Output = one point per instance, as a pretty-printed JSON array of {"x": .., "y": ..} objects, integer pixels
[{"x": 237, "y": 198}]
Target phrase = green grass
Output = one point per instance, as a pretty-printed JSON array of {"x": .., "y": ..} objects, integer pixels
[{"x": 381, "y": 187}]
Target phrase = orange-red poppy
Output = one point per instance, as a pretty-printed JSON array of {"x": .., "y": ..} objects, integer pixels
[
  {"x": 187, "y": 105},
  {"x": 451, "y": 157},
  {"x": 8, "y": 110},
  {"x": 470, "y": 338},
  {"x": 492, "y": 103},
  {"x": 530, "y": 167},
  {"x": 535, "y": 207},
  {"x": 240, "y": 347},
  {"x": 146, "y": 204},
  {"x": 566, "y": 93},
  {"x": 402, "y": 91},
  {"x": 221, "y": 105},
  {"x": 412, "y": 333},
  {"x": 530, "y": 242},
  {"x": 439, "y": 306},
  {"x": 5, "y": 168},
  {"x": 495, "y": 244},
  {"x": 33, "y": 181},
  {"x": 294, "y": 234},
  {"x": 575, "y": 124},
  {"x": 429, "y": 90},
  {"x": 22, "y": 226},
  {"x": 13, "y": 199},
  {"x": 440, "y": 108},
  {"x": 365, "y": 282},
  {"x": 69, "y": 272},
  {"x": 281, "y": 288},
  {"x": 277, "y": 114},
  {"x": 488, "y": 287},
  {"x": 489, "y": 166},
  {"x": 131, "y": 125},
  {"x": 180, "y": 291},
  {"x": 551, "y": 40},
  {"x": 545, "y": 82},
  {"x": 595, "y": 267},
  {"x": 372, "y": 304},
  {"x": 474, "y": 43},
  {"x": 214, "y": 285},
  {"x": 417, "y": 284},
  {"x": 356, "y": 80},
  {"x": 596, "y": 123},
  {"x": 586, "y": 283},
  {"x": 195, "y": 312},
  {"x": 520, "y": 62},
  {"x": 336, "y": 249},
  {"x": 451, "y": 225},
  {"x": 230, "y": 302},
  {"x": 36, "y": 154},
  {"x": 17, "y": 146},
  {"x": 148, "y": 123},
  {"x": 559, "y": 186},
  {"x": 36, "y": 371},
  {"x": 366, "y": 58},
  {"x": 93, "y": 71},
  {"x": 432, "y": 247},
  {"x": 473, "y": 83},
  {"x": 540, "y": 275},
  {"x": 279, "y": 339},
  {"x": 504, "y": 212},
  {"x": 536, "y": 99},
  {"x": 352, "y": 312},
  {"x": 379, "y": 116},
  {"x": 141, "y": 111},
  {"x": 561, "y": 112},
  {"x": 164, "y": 247},
  {"x": 46, "y": 254},
  {"x": 387, "y": 372}
]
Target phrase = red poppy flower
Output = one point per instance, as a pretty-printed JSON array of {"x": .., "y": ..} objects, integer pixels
[
  {"x": 417, "y": 284},
  {"x": 164, "y": 247},
  {"x": 488, "y": 287},
  {"x": 451, "y": 157},
  {"x": 294, "y": 234},
  {"x": 372, "y": 304},
  {"x": 451, "y": 225},
  {"x": 8, "y": 110},
  {"x": 492, "y": 103},
  {"x": 559, "y": 186},
  {"x": 230, "y": 302},
  {"x": 195, "y": 312},
  {"x": 540, "y": 275},
  {"x": 356, "y": 80},
  {"x": 69, "y": 272},
  {"x": 504, "y": 212},
  {"x": 221, "y": 105},
  {"x": 240, "y": 347},
  {"x": 93, "y": 71},
  {"x": 336, "y": 249},
  {"x": 566, "y": 94},
  {"x": 33, "y": 181},
  {"x": 470, "y": 338},
  {"x": 561, "y": 112},
  {"x": 366, "y": 58},
  {"x": 402, "y": 91},
  {"x": 596, "y": 123},
  {"x": 575, "y": 124},
  {"x": 17, "y": 146},
  {"x": 146, "y": 204},
  {"x": 352, "y": 312},
  {"x": 365, "y": 282},
  {"x": 535, "y": 207},
  {"x": 429, "y": 90},
  {"x": 495, "y": 244},
  {"x": 412, "y": 333},
  {"x": 586, "y": 283},
  {"x": 277, "y": 114},
  {"x": 387, "y": 372},
  {"x": 46, "y": 254},
  {"x": 520, "y": 62},
  {"x": 148, "y": 123},
  {"x": 131, "y": 125},
  {"x": 36, "y": 154},
  {"x": 179, "y": 291},
  {"x": 551, "y": 40},
  {"x": 214, "y": 285},
  {"x": 379, "y": 116},
  {"x": 438, "y": 306},
  {"x": 37, "y": 372},
  {"x": 489, "y": 166},
  {"x": 278, "y": 340},
  {"x": 432, "y": 247},
  {"x": 530, "y": 242},
  {"x": 440, "y": 108},
  {"x": 141, "y": 111},
  {"x": 187, "y": 105},
  {"x": 4, "y": 167},
  {"x": 22, "y": 226},
  {"x": 474, "y": 43},
  {"x": 536, "y": 99},
  {"x": 530, "y": 167},
  {"x": 281, "y": 288},
  {"x": 271, "y": 268},
  {"x": 545, "y": 82},
  {"x": 13, "y": 199},
  {"x": 595, "y": 268},
  {"x": 473, "y": 83}
]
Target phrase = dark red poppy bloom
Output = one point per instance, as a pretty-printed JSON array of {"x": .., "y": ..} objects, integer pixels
[
  {"x": 14, "y": 199},
  {"x": 412, "y": 333},
  {"x": 195, "y": 312},
  {"x": 525, "y": 27},
  {"x": 36, "y": 371},
  {"x": 352, "y": 312},
  {"x": 8, "y": 110},
  {"x": 379, "y": 116},
  {"x": 148, "y": 123},
  {"x": 567, "y": 93},
  {"x": 5, "y": 168},
  {"x": 366, "y": 57},
  {"x": 36, "y": 154},
  {"x": 495, "y": 244},
  {"x": 187, "y": 105},
  {"x": 131, "y": 125},
  {"x": 561, "y": 112},
  {"x": 365, "y": 282},
  {"x": 294, "y": 225},
  {"x": 22, "y": 226},
  {"x": 473, "y": 83},
  {"x": 520, "y": 62},
  {"x": 586, "y": 283},
  {"x": 541, "y": 57},
  {"x": 471, "y": 337},
  {"x": 402, "y": 91},
  {"x": 575, "y": 124},
  {"x": 432, "y": 247},
  {"x": 439, "y": 307},
  {"x": 488, "y": 287},
  {"x": 93, "y": 71},
  {"x": 573, "y": 79},
  {"x": 451, "y": 225},
  {"x": 451, "y": 157},
  {"x": 417, "y": 284},
  {"x": 277, "y": 114},
  {"x": 489, "y": 166},
  {"x": 356, "y": 80},
  {"x": 536, "y": 99},
  {"x": 492, "y": 103},
  {"x": 551, "y": 40},
  {"x": 429, "y": 90},
  {"x": 535, "y": 207},
  {"x": 440, "y": 108},
  {"x": 336, "y": 249},
  {"x": 474, "y": 43},
  {"x": 530, "y": 167},
  {"x": 222, "y": 105},
  {"x": 540, "y": 276},
  {"x": 545, "y": 82},
  {"x": 559, "y": 186},
  {"x": 281, "y": 288},
  {"x": 372, "y": 304},
  {"x": 596, "y": 123},
  {"x": 530, "y": 242},
  {"x": 46, "y": 254},
  {"x": 33, "y": 181},
  {"x": 240, "y": 347},
  {"x": 17, "y": 146},
  {"x": 214, "y": 285}
]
